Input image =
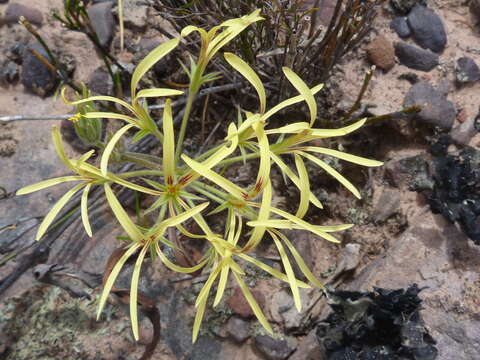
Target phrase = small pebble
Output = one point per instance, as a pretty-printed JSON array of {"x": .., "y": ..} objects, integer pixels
[
  {"x": 466, "y": 71},
  {"x": 381, "y": 53}
]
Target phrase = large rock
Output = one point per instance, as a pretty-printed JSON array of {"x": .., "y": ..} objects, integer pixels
[
  {"x": 135, "y": 14},
  {"x": 415, "y": 57},
  {"x": 436, "y": 111},
  {"x": 103, "y": 22},
  {"x": 36, "y": 76},
  {"x": 436, "y": 255},
  {"x": 463, "y": 133},
  {"x": 427, "y": 28}
]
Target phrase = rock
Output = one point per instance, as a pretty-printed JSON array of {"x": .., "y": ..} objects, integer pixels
[
  {"x": 381, "y": 53},
  {"x": 135, "y": 14},
  {"x": 100, "y": 82},
  {"x": 400, "y": 26},
  {"x": 103, "y": 22},
  {"x": 35, "y": 75},
  {"x": 427, "y": 28},
  {"x": 239, "y": 304},
  {"x": 283, "y": 309},
  {"x": 275, "y": 349},
  {"x": 8, "y": 73},
  {"x": 463, "y": 133},
  {"x": 14, "y": 11},
  {"x": 415, "y": 57},
  {"x": 238, "y": 329},
  {"x": 350, "y": 260},
  {"x": 386, "y": 205},
  {"x": 475, "y": 8},
  {"x": 466, "y": 71},
  {"x": 405, "y": 171},
  {"x": 308, "y": 348},
  {"x": 436, "y": 111},
  {"x": 3, "y": 2},
  {"x": 404, "y": 6}
]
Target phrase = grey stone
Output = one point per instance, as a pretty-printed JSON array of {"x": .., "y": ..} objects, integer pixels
[
  {"x": 400, "y": 26},
  {"x": 427, "y": 28},
  {"x": 466, "y": 71},
  {"x": 103, "y": 22},
  {"x": 100, "y": 82},
  {"x": 135, "y": 14},
  {"x": 386, "y": 205},
  {"x": 475, "y": 8},
  {"x": 15, "y": 11},
  {"x": 463, "y": 133},
  {"x": 275, "y": 349},
  {"x": 9, "y": 72},
  {"x": 415, "y": 57},
  {"x": 436, "y": 109},
  {"x": 404, "y": 6},
  {"x": 35, "y": 75},
  {"x": 238, "y": 329},
  {"x": 402, "y": 172}
]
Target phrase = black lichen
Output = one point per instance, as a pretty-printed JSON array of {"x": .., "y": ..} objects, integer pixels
[
  {"x": 456, "y": 192},
  {"x": 383, "y": 324}
]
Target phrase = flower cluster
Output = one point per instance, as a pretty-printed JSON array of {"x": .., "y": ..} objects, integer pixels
[{"x": 181, "y": 183}]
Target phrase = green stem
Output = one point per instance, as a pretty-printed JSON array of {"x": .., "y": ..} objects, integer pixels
[
  {"x": 183, "y": 126},
  {"x": 133, "y": 157}
]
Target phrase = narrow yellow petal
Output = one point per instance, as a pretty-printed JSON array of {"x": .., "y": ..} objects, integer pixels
[
  {"x": 265, "y": 163},
  {"x": 342, "y": 155},
  {"x": 47, "y": 183},
  {"x": 270, "y": 270},
  {"x": 289, "y": 129},
  {"x": 134, "y": 291},
  {"x": 97, "y": 98},
  {"x": 289, "y": 270},
  {"x": 222, "y": 283},
  {"x": 243, "y": 68},
  {"x": 177, "y": 219},
  {"x": 168, "y": 144},
  {"x": 290, "y": 174},
  {"x": 55, "y": 210},
  {"x": 288, "y": 102},
  {"x": 174, "y": 267},
  {"x": 304, "y": 187},
  {"x": 158, "y": 92},
  {"x": 151, "y": 59},
  {"x": 263, "y": 214},
  {"x": 112, "y": 115},
  {"x": 58, "y": 143},
  {"x": 253, "y": 303},
  {"x": 84, "y": 210},
  {"x": 113, "y": 276},
  {"x": 107, "y": 152},
  {"x": 304, "y": 90},
  {"x": 301, "y": 264},
  {"x": 225, "y": 184},
  {"x": 208, "y": 284},
  {"x": 325, "y": 133},
  {"x": 330, "y": 170},
  {"x": 121, "y": 215}
]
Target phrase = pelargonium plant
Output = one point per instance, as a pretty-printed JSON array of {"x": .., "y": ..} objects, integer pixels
[{"x": 186, "y": 186}]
